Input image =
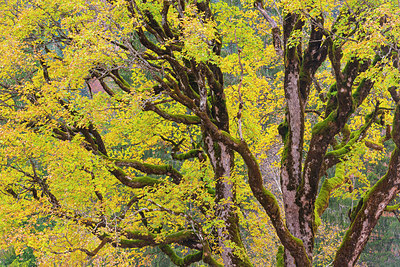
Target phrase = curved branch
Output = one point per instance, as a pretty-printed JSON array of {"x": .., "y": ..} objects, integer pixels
[
  {"x": 276, "y": 32},
  {"x": 185, "y": 119},
  {"x": 149, "y": 168},
  {"x": 134, "y": 182},
  {"x": 138, "y": 239},
  {"x": 185, "y": 261},
  {"x": 121, "y": 82},
  {"x": 265, "y": 197},
  {"x": 88, "y": 252},
  {"x": 328, "y": 186},
  {"x": 194, "y": 153},
  {"x": 374, "y": 203}
]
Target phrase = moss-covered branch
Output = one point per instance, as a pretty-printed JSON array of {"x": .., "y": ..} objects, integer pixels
[
  {"x": 185, "y": 261},
  {"x": 393, "y": 207},
  {"x": 133, "y": 182},
  {"x": 373, "y": 145},
  {"x": 328, "y": 186},
  {"x": 121, "y": 82},
  {"x": 179, "y": 118},
  {"x": 265, "y": 197},
  {"x": 280, "y": 261},
  {"x": 149, "y": 168},
  {"x": 374, "y": 203},
  {"x": 138, "y": 239},
  {"x": 194, "y": 153},
  {"x": 345, "y": 148}
]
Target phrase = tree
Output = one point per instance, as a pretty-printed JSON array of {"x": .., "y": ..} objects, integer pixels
[{"x": 169, "y": 154}]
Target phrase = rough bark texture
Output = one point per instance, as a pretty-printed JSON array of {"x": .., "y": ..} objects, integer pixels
[
  {"x": 374, "y": 203},
  {"x": 300, "y": 68},
  {"x": 222, "y": 159},
  {"x": 300, "y": 181},
  {"x": 293, "y": 139}
]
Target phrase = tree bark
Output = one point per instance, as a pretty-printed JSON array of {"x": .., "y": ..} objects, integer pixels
[{"x": 373, "y": 205}]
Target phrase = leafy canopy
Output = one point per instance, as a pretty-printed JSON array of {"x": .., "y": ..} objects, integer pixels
[{"x": 107, "y": 108}]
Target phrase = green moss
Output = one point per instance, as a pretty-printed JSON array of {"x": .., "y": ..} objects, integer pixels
[
  {"x": 327, "y": 187},
  {"x": 146, "y": 238},
  {"x": 133, "y": 243},
  {"x": 188, "y": 155},
  {"x": 188, "y": 118},
  {"x": 317, "y": 220},
  {"x": 283, "y": 129},
  {"x": 123, "y": 81},
  {"x": 285, "y": 152},
  {"x": 332, "y": 101},
  {"x": 346, "y": 136},
  {"x": 353, "y": 212},
  {"x": 325, "y": 124},
  {"x": 146, "y": 180},
  {"x": 377, "y": 58},
  {"x": 382, "y": 181},
  {"x": 392, "y": 208},
  {"x": 305, "y": 79},
  {"x": 178, "y": 260},
  {"x": 356, "y": 93},
  {"x": 272, "y": 198},
  {"x": 174, "y": 237},
  {"x": 346, "y": 147},
  {"x": 340, "y": 152},
  {"x": 120, "y": 170},
  {"x": 155, "y": 168},
  {"x": 217, "y": 149},
  {"x": 210, "y": 190},
  {"x": 227, "y": 135},
  {"x": 280, "y": 257},
  {"x": 348, "y": 65}
]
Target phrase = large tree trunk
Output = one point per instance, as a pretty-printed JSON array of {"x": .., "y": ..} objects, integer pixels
[
  {"x": 229, "y": 239},
  {"x": 300, "y": 185},
  {"x": 222, "y": 160}
]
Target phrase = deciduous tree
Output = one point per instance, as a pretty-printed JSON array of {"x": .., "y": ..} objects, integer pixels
[{"x": 193, "y": 98}]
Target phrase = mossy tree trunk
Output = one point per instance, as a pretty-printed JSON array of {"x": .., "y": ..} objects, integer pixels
[{"x": 301, "y": 174}]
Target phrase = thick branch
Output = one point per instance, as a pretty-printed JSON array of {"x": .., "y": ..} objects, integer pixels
[
  {"x": 266, "y": 198},
  {"x": 374, "y": 204},
  {"x": 88, "y": 252},
  {"x": 124, "y": 85},
  {"x": 134, "y": 182},
  {"x": 185, "y": 119},
  {"x": 138, "y": 239},
  {"x": 328, "y": 186},
  {"x": 185, "y": 261},
  {"x": 194, "y": 153},
  {"x": 150, "y": 168}
]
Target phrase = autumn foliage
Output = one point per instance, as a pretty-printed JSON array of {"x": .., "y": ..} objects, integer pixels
[{"x": 205, "y": 132}]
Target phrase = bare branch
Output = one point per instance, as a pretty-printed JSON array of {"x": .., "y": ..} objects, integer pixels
[{"x": 276, "y": 32}]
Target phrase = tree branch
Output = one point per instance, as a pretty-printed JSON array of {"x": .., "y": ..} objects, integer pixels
[
  {"x": 185, "y": 261},
  {"x": 149, "y": 168},
  {"x": 185, "y": 119},
  {"x": 276, "y": 32},
  {"x": 374, "y": 203}
]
